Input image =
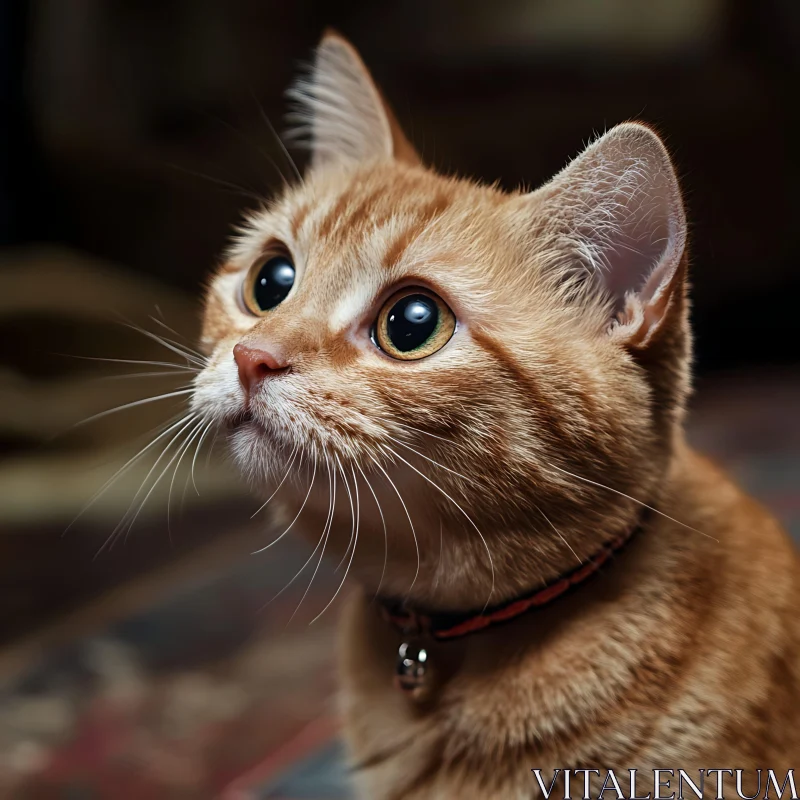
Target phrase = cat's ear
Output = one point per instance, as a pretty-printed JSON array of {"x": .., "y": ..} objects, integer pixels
[
  {"x": 342, "y": 111},
  {"x": 616, "y": 212}
]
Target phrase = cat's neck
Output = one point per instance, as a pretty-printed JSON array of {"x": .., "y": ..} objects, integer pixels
[{"x": 446, "y": 564}]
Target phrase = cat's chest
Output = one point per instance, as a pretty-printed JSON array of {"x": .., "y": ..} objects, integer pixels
[
  {"x": 479, "y": 705},
  {"x": 532, "y": 694}
]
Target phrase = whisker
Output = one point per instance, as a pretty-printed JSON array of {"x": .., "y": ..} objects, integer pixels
[
  {"x": 193, "y": 357},
  {"x": 184, "y": 423},
  {"x": 297, "y": 516},
  {"x": 211, "y": 449},
  {"x": 162, "y": 323},
  {"x": 422, "y": 455},
  {"x": 419, "y": 430},
  {"x": 184, "y": 491},
  {"x": 355, "y": 545},
  {"x": 197, "y": 452},
  {"x": 292, "y": 457},
  {"x": 385, "y": 536},
  {"x": 326, "y": 531},
  {"x": 358, "y": 510},
  {"x": 309, "y": 559},
  {"x": 577, "y": 477},
  {"x": 124, "y": 468},
  {"x": 168, "y": 364},
  {"x": 352, "y": 513},
  {"x": 628, "y": 497},
  {"x": 558, "y": 533},
  {"x": 439, "y": 561},
  {"x": 405, "y": 508},
  {"x": 184, "y": 346},
  {"x": 161, "y": 374},
  {"x": 128, "y": 527},
  {"x": 467, "y": 516},
  {"x": 185, "y": 449},
  {"x": 144, "y": 401}
]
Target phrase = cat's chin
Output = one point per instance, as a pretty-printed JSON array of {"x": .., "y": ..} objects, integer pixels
[
  {"x": 254, "y": 449},
  {"x": 245, "y": 431},
  {"x": 238, "y": 421}
]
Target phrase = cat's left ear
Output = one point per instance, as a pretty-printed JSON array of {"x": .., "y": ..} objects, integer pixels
[
  {"x": 616, "y": 214},
  {"x": 343, "y": 110}
]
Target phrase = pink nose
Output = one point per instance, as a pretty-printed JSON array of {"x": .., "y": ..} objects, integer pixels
[{"x": 255, "y": 365}]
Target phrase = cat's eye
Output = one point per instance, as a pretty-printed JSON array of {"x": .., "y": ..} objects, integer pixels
[
  {"x": 413, "y": 323},
  {"x": 268, "y": 284}
]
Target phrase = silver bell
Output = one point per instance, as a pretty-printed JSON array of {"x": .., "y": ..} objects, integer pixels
[{"x": 412, "y": 666}]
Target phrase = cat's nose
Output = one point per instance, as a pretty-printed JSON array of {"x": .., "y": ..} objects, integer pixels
[{"x": 255, "y": 365}]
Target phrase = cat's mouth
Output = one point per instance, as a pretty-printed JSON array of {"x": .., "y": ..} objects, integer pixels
[{"x": 240, "y": 419}]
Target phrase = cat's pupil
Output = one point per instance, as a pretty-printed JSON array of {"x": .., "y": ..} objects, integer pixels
[
  {"x": 273, "y": 282},
  {"x": 412, "y": 321}
]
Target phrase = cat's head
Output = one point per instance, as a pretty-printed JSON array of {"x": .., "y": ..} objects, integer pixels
[{"x": 510, "y": 364}]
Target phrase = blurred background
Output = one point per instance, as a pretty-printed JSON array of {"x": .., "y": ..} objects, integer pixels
[{"x": 149, "y": 662}]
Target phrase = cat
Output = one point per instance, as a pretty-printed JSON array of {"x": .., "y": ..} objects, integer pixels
[{"x": 479, "y": 397}]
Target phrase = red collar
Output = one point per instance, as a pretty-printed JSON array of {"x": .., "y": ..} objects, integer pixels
[{"x": 447, "y": 626}]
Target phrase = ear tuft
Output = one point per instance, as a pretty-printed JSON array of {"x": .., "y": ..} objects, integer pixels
[
  {"x": 341, "y": 110},
  {"x": 617, "y": 210}
]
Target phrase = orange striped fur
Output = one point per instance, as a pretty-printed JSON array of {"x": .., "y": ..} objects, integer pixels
[{"x": 520, "y": 447}]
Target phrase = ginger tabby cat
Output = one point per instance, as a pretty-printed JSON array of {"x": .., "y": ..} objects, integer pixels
[{"x": 475, "y": 394}]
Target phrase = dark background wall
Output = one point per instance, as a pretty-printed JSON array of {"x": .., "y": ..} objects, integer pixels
[{"x": 110, "y": 104}]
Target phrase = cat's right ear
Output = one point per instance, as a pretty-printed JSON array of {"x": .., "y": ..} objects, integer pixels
[
  {"x": 616, "y": 215},
  {"x": 341, "y": 110}
]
